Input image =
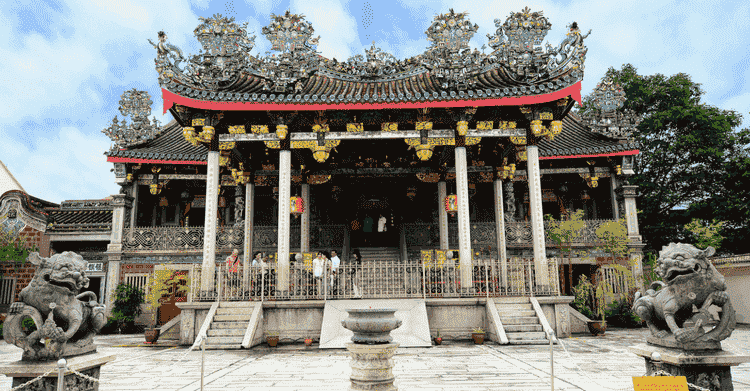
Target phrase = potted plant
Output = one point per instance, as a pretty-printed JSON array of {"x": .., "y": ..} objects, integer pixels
[
  {"x": 126, "y": 307},
  {"x": 308, "y": 341},
  {"x": 478, "y": 335},
  {"x": 272, "y": 338},
  {"x": 438, "y": 338},
  {"x": 160, "y": 284}
]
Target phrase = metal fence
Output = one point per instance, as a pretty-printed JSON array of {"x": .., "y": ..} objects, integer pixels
[{"x": 377, "y": 279}]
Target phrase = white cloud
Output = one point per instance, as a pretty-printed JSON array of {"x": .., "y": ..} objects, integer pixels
[{"x": 335, "y": 25}]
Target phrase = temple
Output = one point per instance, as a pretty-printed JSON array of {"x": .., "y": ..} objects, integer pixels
[{"x": 438, "y": 169}]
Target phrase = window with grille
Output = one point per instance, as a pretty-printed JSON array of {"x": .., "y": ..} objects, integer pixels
[
  {"x": 139, "y": 280},
  {"x": 7, "y": 290}
]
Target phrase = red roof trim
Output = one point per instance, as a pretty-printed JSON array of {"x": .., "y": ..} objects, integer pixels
[
  {"x": 112, "y": 159},
  {"x": 623, "y": 153},
  {"x": 170, "y": 98}
]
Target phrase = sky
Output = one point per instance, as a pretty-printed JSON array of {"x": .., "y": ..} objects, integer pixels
[{"x": 67, "y": 62}]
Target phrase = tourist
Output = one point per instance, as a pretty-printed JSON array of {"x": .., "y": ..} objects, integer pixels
[
  {"x": 319, "y": 264},
  {"x": 355, "y": 262},
  {"x": 232, "y": 264},
  {"x": 335, "y": 262}
]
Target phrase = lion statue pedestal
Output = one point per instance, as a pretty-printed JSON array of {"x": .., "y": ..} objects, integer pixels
[
  {"x": 66, "y": 322},
  {"x": 676, "y": 311}
]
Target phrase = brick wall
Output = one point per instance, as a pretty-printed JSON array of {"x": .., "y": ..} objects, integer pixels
[
  {"x": 23, "y": 272},
  {"x": 37, "y": 238}
]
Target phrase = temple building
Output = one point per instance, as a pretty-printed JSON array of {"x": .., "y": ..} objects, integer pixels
[{"x": 438, "y": 169}]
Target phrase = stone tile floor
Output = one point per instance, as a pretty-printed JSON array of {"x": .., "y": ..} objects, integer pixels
[{"x": 604, "y": 362}]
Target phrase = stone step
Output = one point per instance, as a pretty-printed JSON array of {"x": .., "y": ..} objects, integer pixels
[
  {"x": 226, "y": 332},
  {"x": 526, "y": 335},
  {"x": 514, "y": 306},
  {"x": 515, "y": 328},
  {"x": 234, "y": 304},
  {"x": 232, "y": 318},
  {"x": 227, "y": 346},
  {"x": 516, "y": 313},
  {"x": 224, "y": 340},
  {"x": 528, "y": 342},
  {"x": 520, "y": 320},
  {"x": 234, "y": 310},
  {"x": 228, "y": 325},
  {"x": 511, "y": 300}
]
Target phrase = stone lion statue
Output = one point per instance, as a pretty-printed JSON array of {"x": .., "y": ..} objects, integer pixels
[
  {"x": 66, "y": 320},
  {"x": 677, "y": 313}
]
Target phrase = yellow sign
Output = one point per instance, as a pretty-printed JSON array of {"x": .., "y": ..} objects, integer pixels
[{"x": 660, "y": 383}]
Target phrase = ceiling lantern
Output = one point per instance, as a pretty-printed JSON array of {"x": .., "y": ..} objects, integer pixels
[
  {"x": 297, "y": 205},
  {"x": 411, "y": 192},
  {"x": 424, "y": 152},
  {"x": 451, "y": 204},
  {"x": 320, "y": 153}
]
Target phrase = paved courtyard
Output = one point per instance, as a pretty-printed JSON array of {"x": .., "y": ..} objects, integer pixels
[{"x": 604, "y": 362}]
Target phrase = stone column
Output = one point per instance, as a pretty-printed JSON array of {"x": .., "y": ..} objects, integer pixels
[
  {"x": 443, "y": 216},
  {"x": 613, "y": 195},
  {"x": 208, "y": 268},
  {"x": 304, "y": 241},
  {"x": 120, "y": 216},
  {"x": 248, "y": 237},
  {"x": 285, "y": 192},
  {"x": 134, "y": 209},
  {"x": 500, "y": 232},
  {"x": 537, "y": 224},
  {"x": 635, "y": 244},
  {"x": 464, "y": 235}
]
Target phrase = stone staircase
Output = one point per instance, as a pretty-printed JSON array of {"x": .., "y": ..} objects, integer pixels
[
  {"x": 229, "y": 324},
  {"x": 520, "y": 321},
  {"x": 380, "y": 254}
]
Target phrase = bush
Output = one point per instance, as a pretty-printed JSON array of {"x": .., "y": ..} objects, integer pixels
[
  {"x": 620, "y": 314},
  {"x": 126, "y": 306}
]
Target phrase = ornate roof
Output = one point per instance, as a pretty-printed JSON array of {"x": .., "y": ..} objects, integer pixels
[
  {"x": 518, "y": 66},
  {"x": 81, "y": 215},
  {"x": 576, "y": 140}
]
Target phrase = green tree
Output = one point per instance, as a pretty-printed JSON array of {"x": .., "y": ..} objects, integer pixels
[
  {"x": 685, "y": 146},
  {"x": 127, "y": 305},
  {"x": 563, "y": 233},
  {"x": 14, "y": 247},
  {"x": 706, "y": 234}
]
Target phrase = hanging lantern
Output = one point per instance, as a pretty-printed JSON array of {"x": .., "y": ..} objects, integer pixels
[
  {"x": 155, "y": 188},
  {"x": 411, "y": 192},
  {"x": 585, "y": 195},
  {"x": 424, "y": 152},
  {"x": 297, "y": 206},
  {"x": 281, "y": 131},
  {"x": 451, "y": 204},
  {"x": 536, "y": 127},
  {"x": 320, "y": 153},
  {"x": 462, "y": 128}
]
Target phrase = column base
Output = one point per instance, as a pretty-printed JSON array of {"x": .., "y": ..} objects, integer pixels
[
  {"x": 89, "y": 364},
  {"x": 705, "y": 368},
  {"x": 372, "y": 366}
]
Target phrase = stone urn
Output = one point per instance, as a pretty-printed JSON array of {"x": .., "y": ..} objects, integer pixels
[
  {"x": 371, "y": 325},
  {"x": 372, "y": 348}
]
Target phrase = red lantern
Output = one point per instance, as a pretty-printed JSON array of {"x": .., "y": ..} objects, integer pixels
[
  {"x": 451, "y": 204},
  {"x": 297, "y": 206}
]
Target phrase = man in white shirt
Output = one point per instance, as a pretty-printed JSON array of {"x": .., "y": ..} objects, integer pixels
[{"x": 335, "y": 262}]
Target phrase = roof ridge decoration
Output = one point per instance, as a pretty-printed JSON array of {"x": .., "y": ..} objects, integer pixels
[
  {"x": 518, "y": 46},
  {"x": 137, "y": 105},
  {"x": 447, "y": 70},
  {"x": 607, "y": 118}
]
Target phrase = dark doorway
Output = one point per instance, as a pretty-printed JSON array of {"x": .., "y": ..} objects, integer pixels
[{"x": 95, "y": 284}]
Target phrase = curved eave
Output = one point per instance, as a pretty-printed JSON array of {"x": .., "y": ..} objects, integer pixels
[
  {"x": 170, "y": 99},
  {"x": 621, "y": 153}
]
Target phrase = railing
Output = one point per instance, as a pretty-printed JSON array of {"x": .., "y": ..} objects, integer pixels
[
  {"x": 378, "y": 279},
  {"x": 230, "y": 237},
  {"x": 731, "y": 260}
]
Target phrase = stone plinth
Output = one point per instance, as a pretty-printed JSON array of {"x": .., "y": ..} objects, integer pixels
[
  {"x": 89, "y": 364},
  {"x": 705, "y": 368},
  {"x": 372, "y": 366}
]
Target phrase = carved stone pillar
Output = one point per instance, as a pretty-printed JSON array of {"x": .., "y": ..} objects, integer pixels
[
  {"x": 613, "y": 195},
  {"x": 120, "y": 219},
  {"x": 635, "y": 245},
  {"x": 510, "y": 201},
  {"x": 464, "y": 233},
  {"x": 248, "y": 237},
  {"x": 285, "y": 192},
  {"x": 537, "y": 223},
  {"x": 134, "y": 209},
  {"x": 208, "y": 269},
  {"x": 500, "y": 231},
  {"x": 304, "y": 242},
  {"x": 442, "y": 215}
]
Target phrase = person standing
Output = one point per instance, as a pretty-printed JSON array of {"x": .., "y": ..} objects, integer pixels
[
  {"x": 319, "y": 265},
  {"x": 355, "y": 261},
  {"x": 335, "y": 262}
]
